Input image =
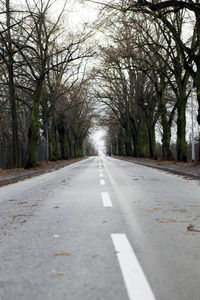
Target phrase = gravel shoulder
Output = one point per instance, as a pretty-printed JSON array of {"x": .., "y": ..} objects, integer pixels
[{"x": 190, "y": 170}]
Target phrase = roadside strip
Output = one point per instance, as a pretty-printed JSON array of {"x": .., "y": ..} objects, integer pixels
[
  {"x": 162, "y": 168},
  {"x": 42, "y": 171}
]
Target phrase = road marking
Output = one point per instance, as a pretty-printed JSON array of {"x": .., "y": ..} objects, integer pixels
[
  {"x": 106, "y": 199},
  {"x": 136, "y": 283},
  {"x": 101, "y": 175},
  {"x": 102, "y": 182}
]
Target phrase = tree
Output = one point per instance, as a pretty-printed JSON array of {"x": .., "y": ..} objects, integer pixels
[{"x": 188, "y": 52}]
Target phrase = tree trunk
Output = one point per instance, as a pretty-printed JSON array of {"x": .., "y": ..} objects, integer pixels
[
  {"x": 15, "y": 139},
  {"x": 152, "y": 141},
  {"x": 143, "y": 140},
  {"x": 197, "y": 83},
  {"x": 166, "y": 128},
  {"x": 55, "y": 142},
  {"x": 181, "y": 128},
  {"x": 128, "y": 142},
  {"x": 50, "y": 143},
  {"x": 63, "y": 141},
  {"x": 34, "y": 127},
  {"x": 120, "y": 142},
  {"x": 78, "y": 149}
]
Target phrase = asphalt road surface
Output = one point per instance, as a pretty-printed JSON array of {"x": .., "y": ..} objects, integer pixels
[{"x": 100, "y": 229}]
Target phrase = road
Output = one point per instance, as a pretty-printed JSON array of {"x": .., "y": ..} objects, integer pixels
[{"x": 100, "y": 229}]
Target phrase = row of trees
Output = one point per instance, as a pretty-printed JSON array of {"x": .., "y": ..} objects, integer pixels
[
  {"x": 43, "y": 84},
  {"x": 152, "y": 50}
]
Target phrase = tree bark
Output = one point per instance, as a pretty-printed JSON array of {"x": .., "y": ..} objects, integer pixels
[
  {"x": 34, "y": 127},
  {"x": 181, "y": 125},
  {"x": 63, "y": 141},
  {"x": 10, "y": 65}
]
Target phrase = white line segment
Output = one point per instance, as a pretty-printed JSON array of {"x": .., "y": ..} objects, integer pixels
[
  {"x": 102, "y": 182},
  {"x": 136, "y": 283},
  {"x": 106, "y": 199},
  {"x": 101, "y": 175}
]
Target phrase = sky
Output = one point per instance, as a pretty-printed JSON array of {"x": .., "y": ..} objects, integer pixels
[
  {"x": 78, "y": 14},
  {"x": 98, "y": 138},
  {"x": 77, "y": 11}
]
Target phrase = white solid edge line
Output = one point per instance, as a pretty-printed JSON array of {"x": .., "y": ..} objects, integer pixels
[
  {"x": 106, "y": 199},
  {"x": 136, "y": 283},
  {"x": 102, "y": 182}
]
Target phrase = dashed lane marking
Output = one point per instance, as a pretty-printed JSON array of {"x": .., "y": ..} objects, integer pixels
[
  {"x": 106, "y": 199},
  {"x": 136, "y": 283},
  {"x": 102, "y": 182}
]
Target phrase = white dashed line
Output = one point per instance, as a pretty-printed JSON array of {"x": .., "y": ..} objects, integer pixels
[
  {"x": 101, "y": 175},
  {"x": 106, "y": 199},
  {"x": 136, "y": 283},
  {"x": 102, "y": 182}
]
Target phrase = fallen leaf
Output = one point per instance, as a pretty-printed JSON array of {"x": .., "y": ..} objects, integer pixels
[
  {"x": 149, "y": 211},
  {"x": 62, "y": 253},
  {"x": 191, "y": 228},
  {"x": 59, "y": 273},
  {"x": 22, "y": 222},
  {"x": 172, "y": 220},
  {"x": 57, "y": 207},
  {"x": 180, "y": 210},
  {"x": 166, "y": 220}
]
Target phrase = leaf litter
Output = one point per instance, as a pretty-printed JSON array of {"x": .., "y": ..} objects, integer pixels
[
  {"x": 170, "y": 220},
  {"x": 62, "y": 253}
]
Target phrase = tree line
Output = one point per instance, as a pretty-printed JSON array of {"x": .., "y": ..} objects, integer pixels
[
  {"x": 44, "y": 84},
  {"x": 150, "y": 53}
]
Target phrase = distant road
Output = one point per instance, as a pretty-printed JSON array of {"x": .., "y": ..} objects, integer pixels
[{"x": 100, "y": 229}]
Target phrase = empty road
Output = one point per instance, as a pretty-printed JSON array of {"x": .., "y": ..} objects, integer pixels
[{"x": 100, "y": 229}]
